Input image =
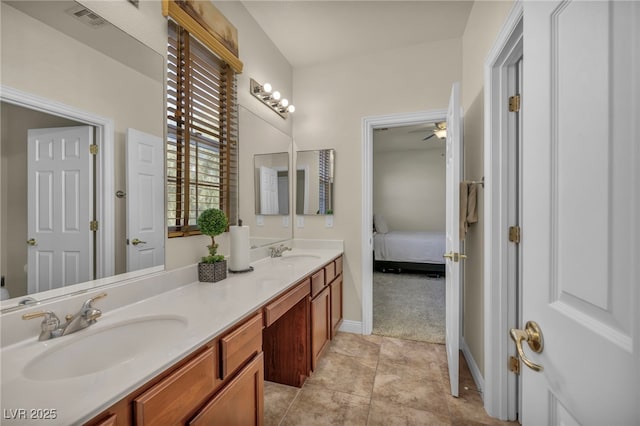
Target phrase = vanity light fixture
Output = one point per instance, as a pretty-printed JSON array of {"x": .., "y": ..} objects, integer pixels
[{"x": 271, "y": 98}]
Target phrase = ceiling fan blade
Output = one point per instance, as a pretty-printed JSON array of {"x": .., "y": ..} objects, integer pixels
[{"x": 429, "y": 137}]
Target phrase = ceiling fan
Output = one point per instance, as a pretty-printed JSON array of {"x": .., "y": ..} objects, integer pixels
[{"x": 439, "y": 130}]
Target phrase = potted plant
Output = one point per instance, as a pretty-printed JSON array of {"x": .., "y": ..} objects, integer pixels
[{"x": 212, "y": 268}]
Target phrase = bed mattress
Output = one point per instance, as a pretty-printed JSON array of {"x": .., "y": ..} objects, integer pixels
[{"x": 407, "y": 246}]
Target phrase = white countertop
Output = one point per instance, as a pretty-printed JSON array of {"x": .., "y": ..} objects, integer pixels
[{"x": 208, "y": 308}]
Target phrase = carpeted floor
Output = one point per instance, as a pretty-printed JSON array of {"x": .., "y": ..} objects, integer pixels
[{"x": 409, "y": 306}]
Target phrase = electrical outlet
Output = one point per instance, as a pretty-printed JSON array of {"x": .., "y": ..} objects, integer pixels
[{"x": 328, "y": 221}]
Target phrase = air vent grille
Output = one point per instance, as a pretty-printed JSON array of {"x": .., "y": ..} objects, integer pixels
[{"x": 86, "y": 16}]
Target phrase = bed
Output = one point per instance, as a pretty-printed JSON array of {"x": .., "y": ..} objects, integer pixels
[{"x": 405, "y": 250}]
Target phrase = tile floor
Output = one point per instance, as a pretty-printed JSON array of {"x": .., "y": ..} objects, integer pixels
[{"x": 374, "y": 380}]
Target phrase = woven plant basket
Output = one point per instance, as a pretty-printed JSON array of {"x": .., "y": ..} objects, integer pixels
[{"x": 212, "y": 272}]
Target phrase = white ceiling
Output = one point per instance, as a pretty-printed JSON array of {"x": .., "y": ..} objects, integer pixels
[{"x": 312, "y": 32}]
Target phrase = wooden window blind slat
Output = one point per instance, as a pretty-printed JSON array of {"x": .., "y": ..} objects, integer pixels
[{"x": 201, "y": 133}]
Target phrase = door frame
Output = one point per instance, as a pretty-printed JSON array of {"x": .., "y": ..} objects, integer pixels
[
  {"x": 499, "y": 297},
  {"x": 105, "y": 204},
  {"x": 368, "y": 125}
]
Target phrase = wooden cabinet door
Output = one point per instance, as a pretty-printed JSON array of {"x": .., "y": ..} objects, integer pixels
[
  {"x": 240, "y": 403},
  {"x": 320, "y": 324},
  {"x": 336, "y": 305}
]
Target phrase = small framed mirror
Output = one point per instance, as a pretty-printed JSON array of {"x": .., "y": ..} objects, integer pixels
[
  {"x": 314, "y": 182},
  {"x": 271, "y": 176}
]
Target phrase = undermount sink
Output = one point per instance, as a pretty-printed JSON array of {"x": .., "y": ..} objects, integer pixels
[
  {"x": 299, "y": 257},
  {"x": 91, "y": 351}
]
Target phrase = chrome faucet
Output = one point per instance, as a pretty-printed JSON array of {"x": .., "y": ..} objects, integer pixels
[
  {"x": 277, "y": 251},
  {"x": 51, "y": 327}
]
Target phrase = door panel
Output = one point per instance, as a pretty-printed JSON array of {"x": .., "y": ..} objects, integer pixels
[
  {"x": 60, "y": 207},
  {"x": 145, "y": 200},
  {"x": 268, "y": 191},
  {"x": 453, "y": 279},
  {"x": 580, "y": 264}
]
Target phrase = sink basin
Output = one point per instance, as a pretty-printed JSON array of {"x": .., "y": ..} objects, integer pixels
[
  {"x": 90, "y": 351},
  {"x": 299, "y": 257}
]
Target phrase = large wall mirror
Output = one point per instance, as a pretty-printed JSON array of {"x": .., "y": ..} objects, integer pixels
[
  {"x": 267, "y": 150},
  {"x": 314, "y": 182},
  {"x": 70, "y": 79}
]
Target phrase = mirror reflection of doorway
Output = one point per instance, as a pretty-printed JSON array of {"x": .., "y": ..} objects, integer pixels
[{"x": 15, "y": 263}]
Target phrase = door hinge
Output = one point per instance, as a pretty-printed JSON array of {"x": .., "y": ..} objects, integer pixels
[
  {"x": 93, "y": 225},
  {"x": 514, "y": 103},
  {"x": 93, "y": 149},
  {"x": 514, "y": 234},
  {"x": 514, "y": 365}
]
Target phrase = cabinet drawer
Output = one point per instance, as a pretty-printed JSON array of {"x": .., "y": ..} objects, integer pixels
[
  {"x": 338, "y": 263},
  {"x": 175, "y": 398},
  {"x": 317, "y": 282},
  {"x": 330, "y": 272},
  {"x": 276, "y": 309},
  {"x": 240, "y": 345}
]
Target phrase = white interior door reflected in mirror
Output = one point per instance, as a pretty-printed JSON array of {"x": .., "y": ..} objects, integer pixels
[
  {"x": 145, "y": 200},
  {"x": 272, "y": 184},
  {"x": 268, "y": 190},
  {"x": 60, "y": 188}
]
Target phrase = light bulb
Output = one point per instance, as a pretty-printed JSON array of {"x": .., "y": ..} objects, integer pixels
[
  {"x": 267, "y": 88},
  {"x": 284, "y": 102},
  {"x": 276, "y": 95},
  {"x": 291, "y": 108}
]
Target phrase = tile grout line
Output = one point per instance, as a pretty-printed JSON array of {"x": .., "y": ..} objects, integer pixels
[
  {"x": 284, "y": 416},
  {"x": 375, "y": 374}
]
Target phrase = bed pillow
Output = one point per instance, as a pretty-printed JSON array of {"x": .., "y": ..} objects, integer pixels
[{"x": 380, "y": 223}]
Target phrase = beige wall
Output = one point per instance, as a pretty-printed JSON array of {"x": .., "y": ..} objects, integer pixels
[
  {"x": 485, "y": 21},
  {"x": 331, "y": 101},
  {"x": 409, "y": 189}
]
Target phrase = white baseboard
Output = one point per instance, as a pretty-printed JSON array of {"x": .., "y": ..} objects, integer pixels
[
  {"x": 473, "y": 367},
  {"x": 349, "y": 326}
]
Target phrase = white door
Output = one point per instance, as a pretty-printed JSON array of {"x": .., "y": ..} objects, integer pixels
[
  {"x": 60, "y": 207},
  {"x": 452, "y": 280},
  {"x": 145, "y": 200},
  {"x": 581, "y": 204},
  {"x": 268, "y": 191}
]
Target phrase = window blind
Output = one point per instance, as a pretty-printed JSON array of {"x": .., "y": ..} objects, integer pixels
[
  {"x": 324, "y": 171},
  {"x": 202, "y": 121}
]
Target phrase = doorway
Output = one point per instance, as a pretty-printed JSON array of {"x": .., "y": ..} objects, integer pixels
[
  {"x": 503, "y": 210},
  {"x": 369, "y": 126},
  {"x": 409, "y": 188},
  {"x": 104, "y": 206}
]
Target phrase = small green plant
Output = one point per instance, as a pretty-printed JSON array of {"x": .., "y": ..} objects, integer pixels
[{"x": 212, "y": 222}]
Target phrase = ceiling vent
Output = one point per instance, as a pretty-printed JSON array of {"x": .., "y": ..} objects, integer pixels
[{"x": 86, "y": 16}]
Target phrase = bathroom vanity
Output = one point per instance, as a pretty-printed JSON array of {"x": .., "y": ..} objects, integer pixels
[{"x": 197, "y": 353}]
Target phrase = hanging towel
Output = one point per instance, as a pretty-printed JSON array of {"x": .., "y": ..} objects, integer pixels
[
  {"x": 464, "y": 193},
  {"x": 472, "y": 203},
  {"x": 468, "y": 206}
]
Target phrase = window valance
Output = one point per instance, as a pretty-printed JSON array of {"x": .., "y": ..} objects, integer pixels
[{"x": 205, "y": 22}]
